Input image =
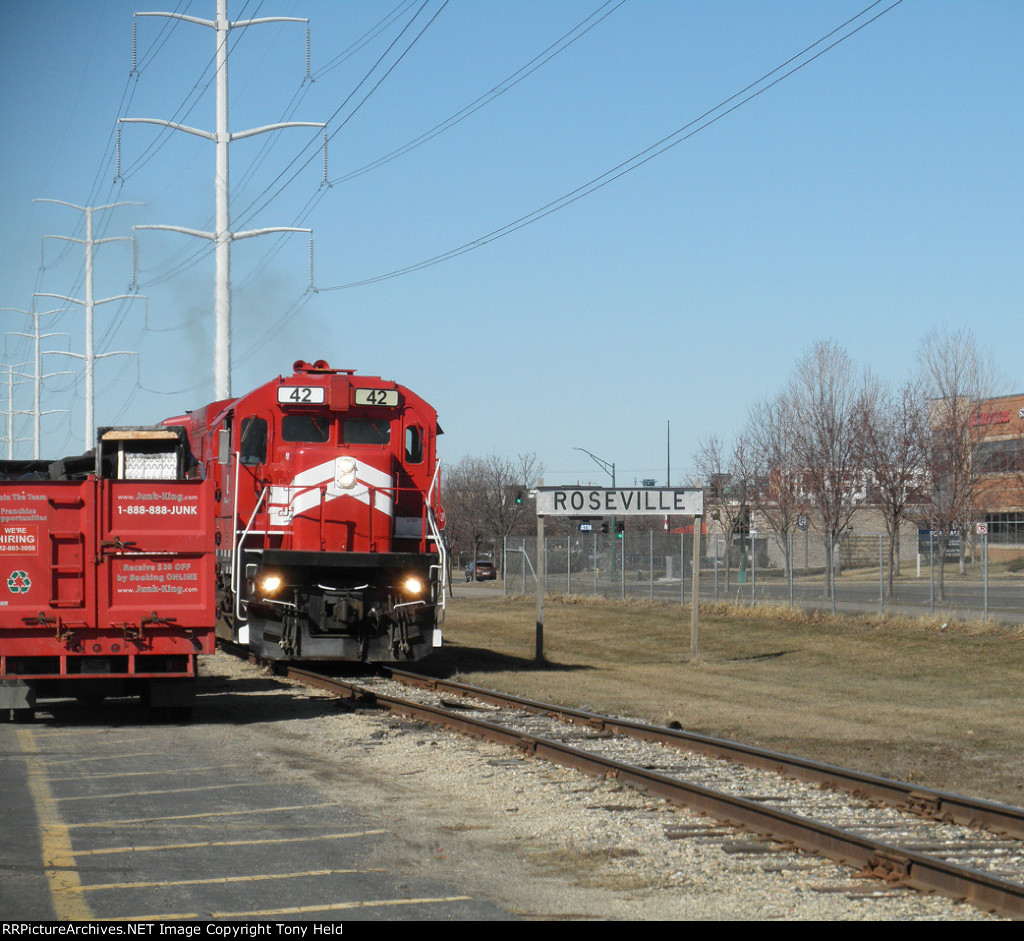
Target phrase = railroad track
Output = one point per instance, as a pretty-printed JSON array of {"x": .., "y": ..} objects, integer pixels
[{"x": 904, "y": 835}]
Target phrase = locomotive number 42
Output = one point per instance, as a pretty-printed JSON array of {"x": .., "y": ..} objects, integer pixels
[
  {"x": 301, "y": 395},
  {"x": 386, "y": 397}
]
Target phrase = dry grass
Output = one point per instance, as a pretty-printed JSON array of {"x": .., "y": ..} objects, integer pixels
[{"x": 899, "y": 697}]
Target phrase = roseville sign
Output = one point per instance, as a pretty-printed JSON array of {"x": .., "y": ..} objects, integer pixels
[{"x": 612, "y": 501}]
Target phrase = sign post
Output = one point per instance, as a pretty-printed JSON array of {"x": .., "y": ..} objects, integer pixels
[
  {"x": 541, "y": 579},
  {"x": 695, "y": 594}
]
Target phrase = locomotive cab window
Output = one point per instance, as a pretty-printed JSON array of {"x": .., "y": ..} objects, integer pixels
[
  {"x": 367, "y": 431},
  {"x": 253, "y": 446},
  {"x": 312, "y": 429}
]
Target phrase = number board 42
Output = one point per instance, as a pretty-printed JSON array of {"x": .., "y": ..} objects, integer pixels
[
  {"x": 301, "y": 395},
  {"x": 380, "y": 397}
]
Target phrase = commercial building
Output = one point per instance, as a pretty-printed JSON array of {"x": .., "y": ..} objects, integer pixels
[
  {"x": 999, "y": 453},
  {"x": 997, "y": 450}
]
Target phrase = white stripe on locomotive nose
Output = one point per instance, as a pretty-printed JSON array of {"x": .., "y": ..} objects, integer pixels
[
  {"x": 324, "y": 472},
  {"x": 309, "y": 499},
  {"x": 314, "y": 477}
]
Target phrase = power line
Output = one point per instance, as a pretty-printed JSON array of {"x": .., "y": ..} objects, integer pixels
[
  {"x": 363, "y": 40},
  {"x": 252, "y": 209},
  {"x": 688, "y": 130},
  {"x": 537, "y": 62}
]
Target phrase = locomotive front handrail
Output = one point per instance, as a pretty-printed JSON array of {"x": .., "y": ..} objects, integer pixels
[
  {"x": 371, "y": 505},
  {"x": 442, "y": 552},
  {"x": 235, "y": 567}
]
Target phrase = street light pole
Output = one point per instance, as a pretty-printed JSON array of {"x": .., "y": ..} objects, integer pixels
[{"x": 608, "y": 468}]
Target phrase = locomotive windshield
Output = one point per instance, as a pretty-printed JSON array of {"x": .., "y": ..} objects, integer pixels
[
  {"x": 312, "y": 429},
  {"x": 367, "y": 431}
]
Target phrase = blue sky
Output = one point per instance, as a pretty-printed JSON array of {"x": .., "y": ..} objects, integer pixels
[{"x": 870, "y": 196}]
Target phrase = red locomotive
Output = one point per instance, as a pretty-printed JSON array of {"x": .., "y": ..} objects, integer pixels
[
  {"x": 107, "y": 573},
  {"x": 327, "y": 514}
]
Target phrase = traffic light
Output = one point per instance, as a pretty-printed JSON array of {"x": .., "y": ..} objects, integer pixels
[
  {"x": 619, "y": 528},
  {"x": 519, "y": 498},
  {"x": 604, "y": 526}
]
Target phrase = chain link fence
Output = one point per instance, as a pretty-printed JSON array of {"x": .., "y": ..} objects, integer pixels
[{"x": 658, "y": 567}]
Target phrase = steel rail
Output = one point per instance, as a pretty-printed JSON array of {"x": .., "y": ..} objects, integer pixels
[
  {"x": 882, "y": 860},
  {"x": 925, "y": 802}
]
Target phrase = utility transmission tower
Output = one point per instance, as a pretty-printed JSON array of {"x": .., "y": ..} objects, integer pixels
[
  {"x": 89, "y": 303},
  {"x": 37, "y": 376},
  {"x": 12, "y": 371},
  {"x": 222, "y": 237}
]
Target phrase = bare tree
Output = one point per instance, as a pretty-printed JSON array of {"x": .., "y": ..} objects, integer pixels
[
  {"x": 775, "y": 480},
  {"x": 725, "y": 479},
  {"x": 892, "y": 426},
  {"x": 485, "y": 501},
  {"x": 824, "y": 397},
  {"x": 957, "y": 377},
  {"x": 507, "y": 481},
  {"x": 465, "y": 523}
]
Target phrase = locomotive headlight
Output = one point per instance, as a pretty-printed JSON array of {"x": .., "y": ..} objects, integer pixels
[
  {"x": 345, "y": 473},
  {"x": 414, "y": 586},
  {"x": 269, "y": 584}
]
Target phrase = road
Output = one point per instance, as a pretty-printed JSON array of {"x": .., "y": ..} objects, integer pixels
[{"x": 914, "y": 596}]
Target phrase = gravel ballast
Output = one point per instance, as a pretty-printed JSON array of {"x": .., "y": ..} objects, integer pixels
[{"x": 537, "y": 840}]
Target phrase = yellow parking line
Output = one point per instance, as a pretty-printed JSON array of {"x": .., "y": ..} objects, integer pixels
[
  {"x": 80, "y": 732},
  {"x": 58, "y": 857},
  {"x": 204, "y": 816},
  {"x": 304, "y": 910},
  {"x": 340, "y": 907},
  {"x": 82, "y": 759},
  {"x": 132, "y": 774},
  {"x": 106, "y": 795},
  {"x": 228, "y": 879},
  {"x": 215, "y": 843}
]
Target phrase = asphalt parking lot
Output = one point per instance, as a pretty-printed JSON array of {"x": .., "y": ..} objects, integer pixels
[{"x": 109, "y": 816}]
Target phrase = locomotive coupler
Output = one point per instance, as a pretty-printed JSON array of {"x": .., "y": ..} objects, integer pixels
[
  {"x": 289, "y": 641},
  {"x": 346, "y": 610}
]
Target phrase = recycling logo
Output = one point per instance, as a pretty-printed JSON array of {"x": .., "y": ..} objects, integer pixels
[{"x": 18, "y": 583}]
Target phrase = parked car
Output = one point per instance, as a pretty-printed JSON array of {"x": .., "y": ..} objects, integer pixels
[{"x": 484, "y": 571}]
